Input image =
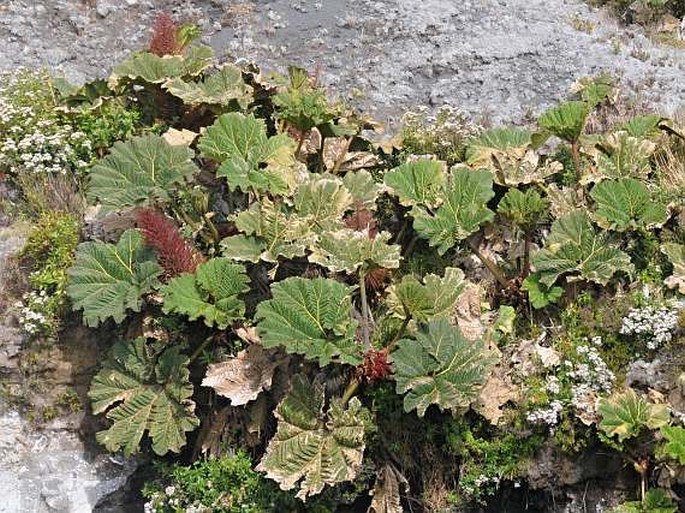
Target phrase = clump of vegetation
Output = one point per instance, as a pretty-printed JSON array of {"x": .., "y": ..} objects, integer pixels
[{"x": 376, "y": 329}]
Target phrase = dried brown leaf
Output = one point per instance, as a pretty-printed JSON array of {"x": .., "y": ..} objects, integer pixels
[
  {"x": 498, "y": 390},
  {"x": 386, "y": 491},
  {"x": 244, "y": 376}
]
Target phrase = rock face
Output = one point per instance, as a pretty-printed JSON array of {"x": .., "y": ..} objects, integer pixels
[
  {"x": 501, "y": 59},
  {"x": 46, "y": 467}
]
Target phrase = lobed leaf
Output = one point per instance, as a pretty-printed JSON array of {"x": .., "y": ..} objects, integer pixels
[
  {"x": 626, "y": 204},
  {"x": 250, "y": 160},
  {"x": 106, "y": 279},
  {"x": 349, "y": 250},
  {"x": 140, "y": 170},
  {"x": 211, "y": 293},
  {"x": 418, "y": 183},
  {"x": 225, "y": 87},
  {"x": 143, "y": 392},
  {"x": 310, "y": 317},
  {"x": 440, "y": 367},
  {"x": 574, "y": 247},
  {"x": 435, "y": 298},
  {"x": 311, "y": 450},
  {"x": 626, "y": 414},
  {"x": 462, "y": 212}
]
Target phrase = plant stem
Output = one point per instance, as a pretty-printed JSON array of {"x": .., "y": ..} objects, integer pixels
[
  {"x": 575, "y": 155},
  {"x": 526, "y": 254},
  {"x": 351, "y": 389},
  {"x": 365, "y": 309},
  {"x": 199, "y": 350},
  {"x": 490, "y": 265},
  {"x": 303, "y": 134},
  {"x": 400, "y": 332}
]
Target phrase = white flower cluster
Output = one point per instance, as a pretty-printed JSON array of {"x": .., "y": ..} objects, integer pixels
[
  {"x": 34, "y": 140},
  {"x": 548, "y": 416},
  {"x": 588, "y": 377},
  {"x": 159, "y": 500},
  {"x": 449, "y": 126},
  {"x": 33, "y": 315},
  {"x": 478, "y": 484},
  {"x": 655, "y": 325}
]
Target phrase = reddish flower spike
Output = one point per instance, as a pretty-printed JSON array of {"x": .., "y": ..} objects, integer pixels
[
  {"x": 375, "y": 366},
  {"x": 164, "y": 36},
  {"x": 174, "y": 253}
]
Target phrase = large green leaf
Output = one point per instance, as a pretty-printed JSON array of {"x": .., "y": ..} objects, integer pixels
[
  {"x": 674, "y": 448},
  {"x": 626, "y": 204},
  {"x": 565, "y": 121},
  {"x": 440, "y": 367},
  {"x": 349, "y": 250},
  {"x": 499, "y": 139},
  {"x": 250, "y": 159},
  {"x": 621, "y": 155},
  {"x": 311, "y": 448},
  {"x": 211, "y": 293},
  {"x": 363, "y": 188},
  {"x": 139, "y": 170},
  {"x": 462, "y": 212},
  {"x": 626, "y": 414},
  {"x": 676, "y": 254},
  {"x": 151, "y": 68},
  {"x": 435, "y": 298},
  {"x": 322, "y": 200},
  {"x": 225, "y": 87},
  {"x": 108, "y": 279},
  {"x": 418, "y": 183},
  {"x": 310, "y": 317},
  {"x": 574, "y": 247},
  {"x": 269, "y": 232},
  {"x": 142, "y": 391},
  {"x": 524, "y": 209}
]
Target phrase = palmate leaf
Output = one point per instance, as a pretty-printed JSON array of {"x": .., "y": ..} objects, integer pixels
[
  {"x": 349, "y": 250},
  {"x": 462, "y": 212},
  {"x": 524, "y": 209},
  {"x": 139, "y": 170},
  {"x": 435, "y": 298},
  {"x": 642, "y": 127},
  {"x": 269, "y": 232},
  {"x": 250, "y": 159},
  {"x": 363, "y": 188},
  {"x": 674, "y": 448},
  {"x": 540, "y": 295},
  {"x": 211, "y": 293},
  {"x": 440, "y": 367},
  {"x": 143, "y": 392},
  {"x": 418, "y": 183},
  {"x": 310, "y": 317},
  {"x": 626, "y": 204},
  {"x": 622, "y": 155},
  {"x": 225, "y": 87},
  {"x": 151, "y": 68},
  {"x": 311, "y": 449},
  {"x": 108, "y": 279},
  {"x": 322, "y": 200},
  {"x": 574, "y": 247},
  {"x": 626, "y": 414},
  {"x": 565, "y": 121},
  {"x": 499, "y": 139},
  {"x": 676, "y": 254}
]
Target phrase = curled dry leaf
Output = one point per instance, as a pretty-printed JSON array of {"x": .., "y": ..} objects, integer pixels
[
  {"x": 244, "y": 376},
  {"x": 183, "y": 137},
  {"x": 468, "y": 314},
  {"x": 498, "y": 391},
  {"x": 248, "y": 335},
  {"x": 337, "y": 158},
  {"x": 386, "y": 491}
]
